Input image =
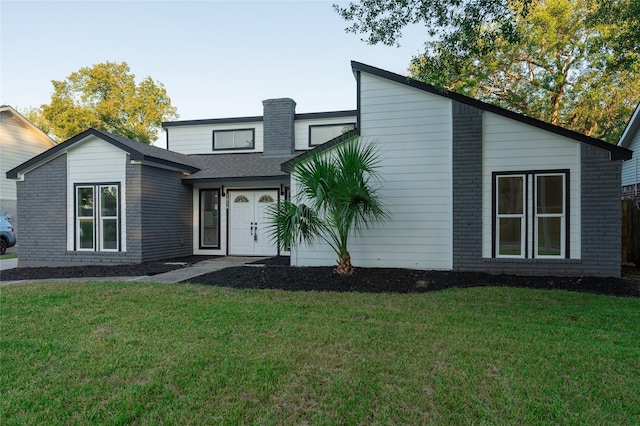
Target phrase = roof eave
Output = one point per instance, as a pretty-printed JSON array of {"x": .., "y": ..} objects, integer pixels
[
  {"x": 617, "y": 152},
  {"x": 631, "y": 129}
]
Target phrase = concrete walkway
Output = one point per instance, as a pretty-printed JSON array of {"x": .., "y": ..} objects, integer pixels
[{"x": 170, "y": 277}]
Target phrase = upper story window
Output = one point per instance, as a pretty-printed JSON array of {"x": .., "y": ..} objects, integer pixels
[
  {"x": 321, "y": 133},
  {"x": 234, "y": 139}
]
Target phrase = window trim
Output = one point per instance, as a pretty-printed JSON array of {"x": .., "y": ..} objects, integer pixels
[
  {"x": 311, "y": 126},
  {"x": 97, "y": 218},
  {"x": 253, "y": 138},
  {"x": 201, "y": 219},
  {"x": 523, "y": 217},
  {"x": 530, "y": 214}
]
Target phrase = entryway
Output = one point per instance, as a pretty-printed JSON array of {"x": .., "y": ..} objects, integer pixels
[{"x": 248, "y": 221}]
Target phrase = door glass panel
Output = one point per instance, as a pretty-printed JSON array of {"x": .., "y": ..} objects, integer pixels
[
  {"x": 266, "y": 199},
  {"x": 549, "y": 190},
  {"x": 510, "y": 243},
  {"x": 241, "y": 199},
  {"x": 510, "y": 195}
]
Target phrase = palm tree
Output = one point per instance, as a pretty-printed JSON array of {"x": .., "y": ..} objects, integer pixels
[{"x": 334, "y": 197}]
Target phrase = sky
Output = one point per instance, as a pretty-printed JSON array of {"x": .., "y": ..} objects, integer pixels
[{"x": 216, "y": 59}]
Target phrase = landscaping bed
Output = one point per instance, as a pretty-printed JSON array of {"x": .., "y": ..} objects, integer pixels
[{"x": 274, "y": 273}]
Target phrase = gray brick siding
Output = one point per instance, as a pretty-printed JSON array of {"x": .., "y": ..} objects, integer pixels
[
  {"x": 467, "y": 186},
  {"x": 278, "y": 127},
  {"x": 42, "y": 207},
  {"x": 601, "y": 215},
  {"x": 158, "y": 210},
  {"x": 167, "y": 215}
]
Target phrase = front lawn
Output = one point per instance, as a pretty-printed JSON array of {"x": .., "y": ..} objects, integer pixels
[{"x": 115, "y": 353}]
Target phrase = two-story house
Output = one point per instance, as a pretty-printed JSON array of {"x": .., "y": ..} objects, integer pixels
[{"x": 469, "y": 187}]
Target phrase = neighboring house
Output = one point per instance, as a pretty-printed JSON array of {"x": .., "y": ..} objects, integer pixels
[
  {"x": 469, "y": 186},
  {"x": 631, "y": 168},
  {"x": 19, "y": 141}
]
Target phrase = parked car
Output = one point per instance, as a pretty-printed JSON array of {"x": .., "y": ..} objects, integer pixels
[{"x": 7, "y": 236}]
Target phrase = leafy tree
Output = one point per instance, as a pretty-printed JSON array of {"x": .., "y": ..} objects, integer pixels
[
  {"x": 106, "y": 96},
  {"x": 337, "y": 186},
  {"x": 566, "y": 62}
]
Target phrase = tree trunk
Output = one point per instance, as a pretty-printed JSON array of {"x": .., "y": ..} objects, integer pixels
[{"x": 344, "y": 264}]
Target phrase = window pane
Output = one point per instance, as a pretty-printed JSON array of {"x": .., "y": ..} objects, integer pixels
[
  {"x": 510, "y": 237},
  {"x": 109, "y": 201},
  {"x": 209, "y": 235},
  {"x": 549, "y": 236},
  {"x": 233, "y": 139},
  {"x": 223, "y": 140},
  {"x": 549, "y": 194},
  {"x": 85, "y": 202},
  {"x": 86, "y": 233},
  {"x": 110, "y": 234},
  {"x": 510, "y": 194},
  {"x": 243, "y": 139},
  {"x": 322, "y": 134}
]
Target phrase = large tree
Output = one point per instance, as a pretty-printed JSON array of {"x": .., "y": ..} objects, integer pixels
[
  {"x": 107, "y": 97},
  {"x": 566, "y": 62},
  {"x": 336, "y": 196}
]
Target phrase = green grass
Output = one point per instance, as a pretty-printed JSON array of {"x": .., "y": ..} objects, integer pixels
[
  {"x": 8, "y": 256},
  {"x": 117, "y": 353}
]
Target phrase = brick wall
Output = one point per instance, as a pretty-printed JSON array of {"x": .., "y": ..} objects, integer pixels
[
  {"x": 167, "y": 215},
  {"x": 601, "y": 216},
  {"x": 278, "y": 127},
  {"x": 467, "y": 187}
]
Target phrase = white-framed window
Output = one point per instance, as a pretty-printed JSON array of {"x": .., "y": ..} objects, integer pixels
[
  {"x": 97, "y": 217},
  {"x": 510, "y": 218},
  {"x": 531, "y": 214},
  {"x": 234, "y": 139},
  {"x": 321, "y": 133}
]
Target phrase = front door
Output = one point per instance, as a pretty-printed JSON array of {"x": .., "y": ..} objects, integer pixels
[{"x": 248, "y": 234}]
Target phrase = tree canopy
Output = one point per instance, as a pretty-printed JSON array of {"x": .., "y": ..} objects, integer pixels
[
  {"x": 566, "y": 62},
  {"x": 107, "y": 97}
]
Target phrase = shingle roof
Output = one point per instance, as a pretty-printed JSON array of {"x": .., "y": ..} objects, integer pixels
[
  {"x": 137, "y": 151},
  {"x": 219, "y": 167}
]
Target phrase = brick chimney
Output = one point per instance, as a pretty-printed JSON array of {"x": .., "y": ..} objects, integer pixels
[{"x": 278, "y": 119}]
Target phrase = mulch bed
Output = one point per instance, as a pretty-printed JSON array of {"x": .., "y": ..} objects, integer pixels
[
  {"x": 274, "y": 273},
  {"x": 134, "y": 270}
]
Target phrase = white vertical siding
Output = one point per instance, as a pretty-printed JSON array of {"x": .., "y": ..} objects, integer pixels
[
  {"x": 302, "y": 129},
  {"x": 631, "y": 168},
  {"x": 412, "y": 130},
  {"x": 96, "y": 161},
  {"x": 513, "y": 146},
  {"x": 198, "y": 139}
]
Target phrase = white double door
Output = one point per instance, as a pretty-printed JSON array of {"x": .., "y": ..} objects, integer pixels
[{"x": 248, "y": 223}]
